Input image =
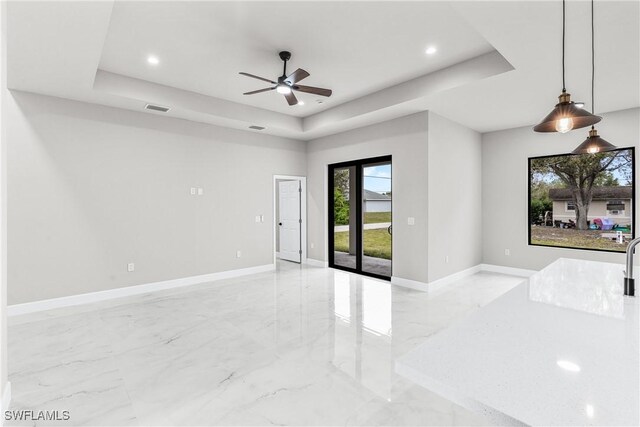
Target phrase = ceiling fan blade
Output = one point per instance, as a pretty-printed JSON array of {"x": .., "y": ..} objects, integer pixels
[
  {"x": 259, "y": 91},
  {"x": 315, "y": 90},
  {"x": 296, "y": 76},
  {"x": 259, "y": 78},
  {"x": 291, "y": 98}
]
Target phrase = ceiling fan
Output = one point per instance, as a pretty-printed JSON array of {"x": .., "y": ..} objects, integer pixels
[{"x": 287, "y": 84}]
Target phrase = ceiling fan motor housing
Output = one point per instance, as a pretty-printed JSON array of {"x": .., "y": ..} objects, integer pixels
[{"x": 284, "y": 55}]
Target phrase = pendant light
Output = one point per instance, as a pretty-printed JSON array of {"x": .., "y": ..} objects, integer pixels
[
  {"x": 593, "y": 143},
  {"x": 565, "y": 115}
]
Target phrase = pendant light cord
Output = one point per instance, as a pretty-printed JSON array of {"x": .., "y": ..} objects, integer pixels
[
  {"x": 564, "y": 87},
  {"x": 593, "y": 62}
]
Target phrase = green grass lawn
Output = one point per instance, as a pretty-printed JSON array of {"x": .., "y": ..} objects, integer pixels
[
  {"x": 376, "y": 217},
  {"x": 590, "y": 239},
  {"x": 377, "y": 243}
]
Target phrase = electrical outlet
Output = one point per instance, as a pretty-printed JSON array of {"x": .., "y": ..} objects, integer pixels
[
  {"x": 257, "y": 218},
  {"x": 261, "y": 218},
  {"x": 411, "y": 221},
  {"x": 200, "y": 191},
  {"x": 131, "y": 267},
  {"x": 238, "y": 254},
  {"x": 507, "y": 252},
  {"x": 193, "y": 191}
]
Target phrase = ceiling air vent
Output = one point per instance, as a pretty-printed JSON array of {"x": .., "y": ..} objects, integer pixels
[
  {"x": 254, "y": 127},
  {"x": 156, "y": 108}
]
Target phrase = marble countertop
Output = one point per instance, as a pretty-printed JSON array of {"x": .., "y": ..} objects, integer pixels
[{"x": 559, "y": 349}]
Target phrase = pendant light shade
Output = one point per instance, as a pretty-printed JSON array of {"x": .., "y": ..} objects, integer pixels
[
  {"x": 566, "y": 116},
  {"x": 594, "y": 144}
]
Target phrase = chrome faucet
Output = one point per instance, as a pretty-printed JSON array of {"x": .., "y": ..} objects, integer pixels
[{"x": 629, "y": 283}]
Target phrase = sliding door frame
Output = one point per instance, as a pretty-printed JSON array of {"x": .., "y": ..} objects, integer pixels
[{"x": 358, "y": 164}]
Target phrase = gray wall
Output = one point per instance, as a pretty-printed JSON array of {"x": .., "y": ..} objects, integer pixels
[
  {"x": 504, "y": 188},
  {"x": 3, "y": 199},
  {"x": 406, "y": 140},
  {"x": 455, "y": 200},
  {"x": 93, "y": 188}
]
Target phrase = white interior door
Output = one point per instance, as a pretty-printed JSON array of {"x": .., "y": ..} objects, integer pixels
[{"x": 290, "y": 221}]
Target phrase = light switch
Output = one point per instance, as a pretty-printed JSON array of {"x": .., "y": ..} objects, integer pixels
[
  {"x": 411, "y": 221},
  {"x": 131, "y": 267},
  {"x": 193, "y": 191},
  {"x": 200, "y": 191},
  {"x": 261, "y": 218},
  {"x": 257, "y": 218}
]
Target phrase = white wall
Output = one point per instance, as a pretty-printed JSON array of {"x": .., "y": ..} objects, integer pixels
[
  {"x": 505, "y": 181},
  {"x": 406, "y": 140},
  {"x": 93, "y": 188},
  {"x": 455, "y": 200},
  {"x": 3, "y": 204}
]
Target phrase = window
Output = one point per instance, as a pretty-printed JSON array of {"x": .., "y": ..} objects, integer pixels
[
  {"x": 615, "y": 205},
  {"x": 554, "y": 219}
]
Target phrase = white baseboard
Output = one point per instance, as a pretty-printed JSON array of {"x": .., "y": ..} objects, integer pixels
[
  {"x": 32, "y": 307},
  {"x": 507, "y": 270},
  {"x": 6, "y": 401},
  {"x": 442, "y": 283},
  {"x": 316, "y": 263},
  {"x": 437, "y": 285},
  {"x": 411, "y": 284}
]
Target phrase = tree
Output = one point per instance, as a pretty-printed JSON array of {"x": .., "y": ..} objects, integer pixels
[
  {"x": 340, "y": 208},
  {"x": 581, "y": 174},
  {"x": 341, "y": 182},
  {"x": 606, "y": 179}
]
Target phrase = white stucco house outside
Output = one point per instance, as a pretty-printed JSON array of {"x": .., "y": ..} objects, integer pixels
[
  {"x": 614, "y": 203},
  {"x": 376, "y": 202}
]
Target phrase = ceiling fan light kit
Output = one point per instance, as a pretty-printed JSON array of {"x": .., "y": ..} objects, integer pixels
[
  {"x": 566, "y": 115},
  {"x": 287, "y": 84}
]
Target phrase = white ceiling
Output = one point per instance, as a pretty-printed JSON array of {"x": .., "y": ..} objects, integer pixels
[
  {"x": 353, "y": 48},
  {"x": 498, "y": 64}
]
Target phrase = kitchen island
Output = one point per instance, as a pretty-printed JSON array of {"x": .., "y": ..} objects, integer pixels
[{"x": 562, "y": 348}]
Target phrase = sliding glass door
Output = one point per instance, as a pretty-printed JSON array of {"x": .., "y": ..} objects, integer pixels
[{"x": 360, "y": 205}]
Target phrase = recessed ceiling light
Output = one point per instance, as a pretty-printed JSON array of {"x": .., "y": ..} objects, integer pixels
[
  {"x": 300, "y": 102},
  {"x": 590, "y": 411},
  {"x": 153, "y": 60},
  {"x": 431, "y": 50},
  {"x": 569, "y": 366}
]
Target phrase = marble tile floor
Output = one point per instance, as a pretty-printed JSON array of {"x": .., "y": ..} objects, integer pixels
[{"x": 299, "y": 346}]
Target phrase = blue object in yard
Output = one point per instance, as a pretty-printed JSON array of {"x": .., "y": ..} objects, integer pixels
[
  {"x": 593, "y": 227},
  {"x": 607, "y": 224}
]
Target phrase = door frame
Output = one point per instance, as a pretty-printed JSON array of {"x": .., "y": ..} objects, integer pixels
[
  {"x": 303, "y": 213},
  {"x": 359, "y": 214}
]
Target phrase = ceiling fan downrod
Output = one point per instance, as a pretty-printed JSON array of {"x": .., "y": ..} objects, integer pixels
[{"x": 285, "y": 56}]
